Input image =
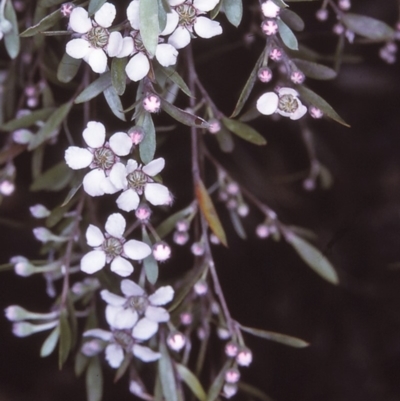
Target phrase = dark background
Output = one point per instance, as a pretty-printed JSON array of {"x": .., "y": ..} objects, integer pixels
[{"x": 354, "y": 329}]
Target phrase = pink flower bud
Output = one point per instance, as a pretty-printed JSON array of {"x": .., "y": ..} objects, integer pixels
[
  {"x": 215, "y": 126},
  {"x": 270, "y": 9},
  {"x": 7, "y": 188},
  {"x": 309, "y": 184},
  {"x": 176, "y": 341},
  {"x": 338, "y": 29},
  {"x": 186, "y": 318},
  {"x": 275, "y": 54},
  {"x": 182, "y": 225},
  {"x": 232, "y": 188},
  {"x": 231, "y": 349},
  {"x": 243, "y": 210},
  {"x": 143, "y": 213},
  {"x": 180, "y": 237},
  {"x": 214, "y": 239},
  {"x": 229, "y": 390},
  {"x": 152, "y": 103},
  {"x": 244, "y": 357},
  {"x": 262, "y": 231},
  {"x": 161, "y": 251},
  {"x": 66, "y": 9},
  {"x": 232, "y": 375},
  {"x": 201, "y": 288},
  {"x": 223, "y": 333},
  {"x": 344, "y": 4},
  {"x": 269, "y": 27},
  {"x": 297, "y": 77},
  {"x": 197, "y": 248},
  {"x": 322, "y": 14},
  {"x": 136, "y": 134},
  {"x": 264, "y": 74},
  {"x": 92, "y": 347},
  {"x": 315, "y": 112}
]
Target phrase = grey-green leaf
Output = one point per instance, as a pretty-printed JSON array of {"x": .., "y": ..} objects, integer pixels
[
  {"x": 118, "y": 75},
  {"x": 192, "y": 381},
  {"x": 313, "y": 257},
  {"x": 149, "y": 263},
  {"x": 95, "y": 88},
  {"x": 68, "y": 68},
  {"x": 216, "y": 386},
  {"x": 147, "y": 147},
  {"x": 233, "y": 11},
  {"x": 28, "y": 120},
  {"x": 171, "y": 74},
  {"x": 287, "y": 35},
  {"x": 315, "y": 70},
  {"x": 11, "y": 38},
  {"x": 225, "y": 140},
  {"x": 368, "y": 27},
  {"x": 292, "y": 20},
  {"x": 54, "y": 179},
  {"x": 43, "y": 25},
  {"x": 183, "y": 116},
  {"x": 94, "y": 380},
  {"x": 167, "y": 375},
  {"x": 244, "y": 131},
  {"x": 114, "y": 101},
  {"x": 253, "y": 391},
  {"x": 149, "y": 31},
  {"x": 95, "y": 5},
  {"x": 237, "y": 224},
  {"x": 50, "y": 343},
  {"x": 65, "y": 339},
  {"x": 169, "y": 223}
]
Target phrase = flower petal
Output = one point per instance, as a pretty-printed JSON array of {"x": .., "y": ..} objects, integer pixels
[
  {"x": 94, "y": 236},
  {"x": 287, "y": 91},
  {"x": 207, "y": 28},
  {"x": 128, "y": 200},
  {"x": 205, "y": 5},
  {"x": 180, "y": 38},
  {"x": 112, "y": 299},
  {"x": 131, "y": 166},
  {"x": 79, "y": 20},
  {"x": 118, "y": 176},
  {"x": 144, "y": 329},
  {"x": 92, "y": 182},
  {"x": 97, "y": 59},
  {"x": 154, "y": 167},
  {"x": 114, "y": 355},
  {"x": 157, "y": 314},
  {"x": 77, "y": 158},
  {"x": 172, "y": 23},
  {"x": 127, "y": 47},
  {"x": 93, "y": 261},
  {"x": 130, "y": 289},
  {"x": 121, "y": 318},
  {"x": 94, "y": 134},
  {"x": 99, "y": 333},
  {"x": 156, "y": 194},
  {"x": 175, "y": 2},
  {"x": 267, "y": 103},
  {"x": 136, "y": 250},
  {"x": 162, "y": 296},
  {"x": 120, "y": 143},
  {"x": 166, "y": 54},
  {"x": 115, "y": 225},
  {"x": 121, "y": 267},
  {"x": 107, "y": 186},
  {"x": 106, "y": 15},
  {"x": 132, "y": 12},
  {"x": 299, "y": 112},
  {"x": 78, "y": 48},
  {"x": 145, "y": 353},
  {"x": 137, "y": 67},
  {"x": 115, "y": 43}
]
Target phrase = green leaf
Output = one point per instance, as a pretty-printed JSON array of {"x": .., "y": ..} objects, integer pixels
[
  {"x": 114, "y": 101},
  {"x": 207, "y": 208},
  {"x": 248, "y": 86},
  {"x": 94, "y": 380},
  {"x": 225, "y": 140},
  {"x": 95, "y": 88},
  {"x": 183, "y": 116},
  {"x": 368, "y": 27},
  {"x": 280, "y": 3},
  {"x": 244, "y": 131},
  {"x": 313, "y": 257},
  {"x": 28, "y": 120},
  {"x": 118, "y": 75},
  {"x": 167, "y": 375},
  {"x": 81, "y": 362},
  {"x": 68, "y": 68},
  {"x": 148, "y": 12},
  {"x": 11, "y": 38},
  {"x": 168, "y": 224},
  {"x": 277, "y": 337},
  {"x": 216, "y": 386},
  {"x": 162, "y": 15},
  {"x": 57, "y": 214},
  {"x": 317, "y": 101},
  {"x": 287, "y": 35},
  {"x": 95, "y": 5},
  {"x": 253, "y": 391},
  {"x": 171, "y": 74},
  {"x": 315, "y": 70},
  {"x": 292, "y": 20},
  {"x": 147, "y": 147},
  {"x": 237, "y": 224},
  {"x": 43, "y": 25},
  {"x": 50, "y": 343},
  {"x": 149, "y": 263},
  {"x": 65, "y": 339},
  {"x": 49, "y": 3},
  {"x": 51, "y": 127},
  {"x": 233, "y": 11},
  {"x": 54, "y": 179},
  {"x": 192, "y": 381},
  {"x": 76, "y": 184}
]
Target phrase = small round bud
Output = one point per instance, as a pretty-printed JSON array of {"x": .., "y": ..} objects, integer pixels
[
  {"x": 92, "y": 347},
  {"x": 22, "y": 136},
  {"x": 24, "y": 269},
  {"x": 231, "y": 349},
  {"x": 186, "y": 318},
  {"x": 180, "y": 238},
  {"x": 197, "y": 249},
  {"x": 23, "y": 329},
  {"x": 297, "y": 77},
  {"x": 338, "y": 29},
  {"x": 270, "y": 9},
  {"x": 66, "y": 9},
  {"x": 223, "y": 333},
  {"x": 269, "y": 27},
  {"x": 39, "y": 211},
  {"x": 201, "y": 288},
  {"x": 315, "y": 112},
  {"x": 201, "y": 333},
  {"x": 243, "y": 210},
  {"x": 152, "y": 103},
  {"x": 229, "y": 390},
  {"x": 264, "y": 74},
  {"x": 176, "y": 341},
  {"x": 344, "y": 4},
  {"x": 215, "y": 126},
  {"x": 391, "y": 47},
  {"x": 143, "y": 213},
  {"x": 232, "y": 188},
  {"x": 7, "y": 188},
  {"x": 32, "y": 102},
  {"x": 19, "y": 6},
  {"x": 232, "y": 375},
  {"x": 15, "y": 313},
  {"x": 309, "y": 184},
  {"x": 262, "y": 231},
  {"x": 244, "y": 357},
  {"x": 42, "y": 234},
  {"x": 215, "y": 308},
  {"x": 275, "y": 54},
  {"x": 182, "y": 225},
  {"x": 322, "y": 14},
  {"x": 214, "y": 239},
  {"x": 232, "y": 204},
  {"x": 136, "y": 134},
  {"x": 161, "y": 251}
]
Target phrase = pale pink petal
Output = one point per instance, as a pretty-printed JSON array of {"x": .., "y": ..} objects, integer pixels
[
  {"x": 267, "y": 103},
  {"x": 120, "y": 143},
  {"x": 130, "y": 289},
  {"x": 287, "y": 91},
  {"x": 299, "y": 112},
  {"x": 205, "y": 5},
  {"x": 137, "y": 67},
  {"x": 128, "y": 200},
  {"x": 166, "y": 54},
  {"x": 144, "y": 329},
  {"x": 97, "y": 59},
  {"x": 115, "y": 43},
  {"x": 145, "y": 354},
  {"x": 112, "y": 299},
  {"x": 121, "y": 267},
  {"x": 106, "y": 15},
  {"x": 93, "y": 261},
  {"x": 78, "y": 48},
  {"x": 207, "y": 28},
  {"x": 157, "y": 314},
  {"x": 172, "y": 23},
  {"x": 132, "y": 12},
  {"x": 121, "y": 318},
  {"x": 156, "y": 194},
  {"x": 114, "y": 355},
  {"x": 162, "y": 296},
  {"x": 94, "y": 236},
  {"x": 131, "y": 166},
  {"x": 127, "y": 47},
  {"x": 180, "y": 38},
  {"x": 77, "y": 158},
  {"x": 107, "y": 186},
  {"x": 92, "y": 182},
  {"x": 154, "y": 167},
  {"x": 118, "y": 176},
  {"x": 115, "y": 225},
  {"x": 175, "y": 2},
  {"x": 99, "y": 333},
  {"x": 136, "y": 250},
  {"x": 79, "y": 20},
  {"x": 94, "y": 134}
]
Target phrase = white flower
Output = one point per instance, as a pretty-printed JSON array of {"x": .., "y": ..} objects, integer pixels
[
  {"x": 100, "y": 156},
  {"x": 119, "y": 342},
  {"x": 270, "y": 9},
  {"x": 186, "y": 18},
  {"x": 95, "y": 41},
  {"x": 135, "y": 180},
  {"x": 286, "y": 103},
  {"x": 136, "y": 310},
  {"x": 112, "y": 248}
]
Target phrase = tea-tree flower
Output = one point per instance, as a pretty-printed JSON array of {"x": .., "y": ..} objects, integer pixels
[
  {"x": 286, "y": 102},
  {"x": 100, "y": 156},
  {"x": 136, "y": 309},
  {"x": 112, "y": 248},
  {"x": 136, "y": 180},
  {"x": 95, "y": 41}
]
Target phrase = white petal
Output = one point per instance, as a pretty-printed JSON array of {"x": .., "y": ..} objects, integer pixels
[
  {"x": 107, "y": 186},
  {"x": 270, "y": 9},
  {"x": 121, "y": 267},
  {"x": 114, "y": 355},
  {"x": 98, "y": 60},
  {"x": 115, "y": 225},
  {"x": 77, "y": 158},
  {"x": 121, "y": 318},
  {"x": 92, "y": 182},
  {"x": 175, "y": 2},
  {"x": 130, "y": 289},
  {"x": 120, "y": 143},
  {"x": 205, "y": 5},
  {"x": 156, "y": 194},
  {"x": 288, "y": 91},
  {"x": 78, "y": 48},
  {"x": 166, "y": 54},
  {"x": 131, "y": 166},
  {"x": 127, "y": 47},
  {"x": 115, "y": 43},
  {"x": 94, "y": 134},
  {"x": 162, "y": 296},
  {"x": 157, "y": 314},
  {"x": 94, "y": 236},
  {"x": 112, "y": 299},
  {"x": 128, "y": 200},
  {"x": 207, "y": 28},
  {"x": 299, "y": 112},
  {"x": 267, "y": 103},
  {"x": 180, "y": 38},
  {"x": 99, "y": 333},
  {"x": 136, "y": 250},
  {"x": 132, "y": 12},
  {"x": 106, "y": 15},
  {"x": 145, "y": 353},
  {"x": 118, "y": 176},
  {"x": 172, "y": 23},
  {"x": 79, "y": 20},
  {"x": 137, "y": 67},
  {"x": 154, "y": 167},
  {"x": 93, "y": 261},
  {"x": 144, "y": 329}
]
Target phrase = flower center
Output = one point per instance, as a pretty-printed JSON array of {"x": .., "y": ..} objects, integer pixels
[
  {"x": 123, "y": 338},
  {"x": 104, "y": 158},
  {"x": 137, "y": 180},
  {"x": 98, "y": 37},
  {"x": 139, "y": 304},
  {"x": 187, "y": 15},
  {"x": 112, "y": 247},
  {"x": 288, "y": 104}
]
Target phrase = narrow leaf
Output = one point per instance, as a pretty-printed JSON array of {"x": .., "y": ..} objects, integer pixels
[
  {"x": 95, "y": 5},
  {"x": 123, "y": 367},
  {"x": 95, "y": 88},
  {"x": 114, "y": 101},
  {"x": 207, "y": 208},
  {"x": 287, "y": 35},
  {"x": 192, "y": 381},
  {"x": 118, "y": 75},
  {"x": 292, "y": 20},
  {"x": 28, "y": 120},
  {"x": 171, "y": 74},
  {"x": 315, "y": 70},
  {"x": 65, "y": 339},
  {"x": 68, "y": 68},
  {"x": 368, "y": 27},
  {"x": 148, "y": 12},
  {"x": 183, "y": 116},
  {"x": 50, "y": 343},
  {"x": 216, "y": 386},
  {"x": 11, "y": 38},
  {"x": 225, "y": 140},
  {"x": 237, "y": 224},
  {"x": 233, "y": 11},
  {"x": 253, "y": 391},
  {"x": 313, "y": 257},
  {"x": 244, "y": 131},
  {"x": 147, "y": 147},
  {"x": 167, "y": 376},
  {"x": 169, "y": 223},
  {"x": 94, "y": 380},
  {"x": 149, "y": 263},
  {"x": 54, "y": 179},
  {"x": 43, "y": 25},
  {"x": 81, "y": 362}
]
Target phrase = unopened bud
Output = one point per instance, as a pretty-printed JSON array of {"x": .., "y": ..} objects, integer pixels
[
  {"x": 161, "y": 251},
  {"x": 214, "y": 239},
  {"x": 264, "y": 74},
  {"x": 152, "y": 103},
  {"x": 244, "y": 357},
  {"x": 243, "y": 210},
  {"x": 297, "y": 77},
  {"x": 143, "y": 213},
  {"x": 322, "y": 14},
  {"x": 201, "y": 288},
  {"x": 39, "y": 211},
  {"x": 181, "y": 238},
  {"x": 7, "y": 187},
  {"x": 92, "y": 347},
  {"x": 197, "y": 248},
  {"x": 186, "y": 318},
  {"x": 269, "y": 27},
  {"x": 232, "y": 375},
  {"x": 66, "y": 9},
  {"x": 22, "y": 136},
  {"x": 315, "y": 112},
  {"x": 229, "y": 390},
  {"x": 176, "y": 341},
  {"x": 182, "y": 225},
  {"x": 270, "y": 9},
  {"x": 214, "y": 126},
  {"x": 223, "y": 333},
  {"x": 231, "y": 349},
  {"x": 24, "y": 329},
  {"x": 275, "y": 54},
  {"x": 136, "y": 134},
  {"x": 262, "y": 231}
]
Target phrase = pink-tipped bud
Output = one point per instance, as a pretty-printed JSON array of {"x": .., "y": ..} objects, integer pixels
[
  {"x": 161, "y": 251},
  {"x": 143, "y": 213},
  {"x": 262, "y": 231},
  {"x": 232, "y": 375},
  {"x": 22, "y": 136},
  {"x": 233, "y": 188},
  {"x": 181, "y": 237},
  {"x": 244, "y": 357},
  {"x": 338, "y": 29},
  {"x": 243, "y": 210},
  {"x": 229, "y": 390},
  {"x": 176, "y": 341},
  {"x": 322, "y": 14},
  {"x": 186, "y": 318},
  {"x": 92, "y": 347},
  {"x": 264, "y": 74},
  {"x": 66, "y": 9},
  {"x": 269, "y": 27},
  {"x": 223, "y": 333},
  {"x": 39, "y": 211},
  {"x": 201, "y": 288},
  {"x": 297, "y": 77},
  {"x": 231, "y": 349},
  {"x": 182, "y": 225},
  {"x": 152, "y": 103},
  {"x": 197, "y": 249},
  {"x": 344, "y": 4},
  {"x": 309, "y": 184},
  {"x": 214, "y": 239},
  {"x": 7, "y": 188},
  {"x": 315, "y": 112},
  {"x": 214, "y": 126},
  {"x": 275, "y": 54},
  {"x": 136, "y": 134},
  {"x": 232, "y": 204}
]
